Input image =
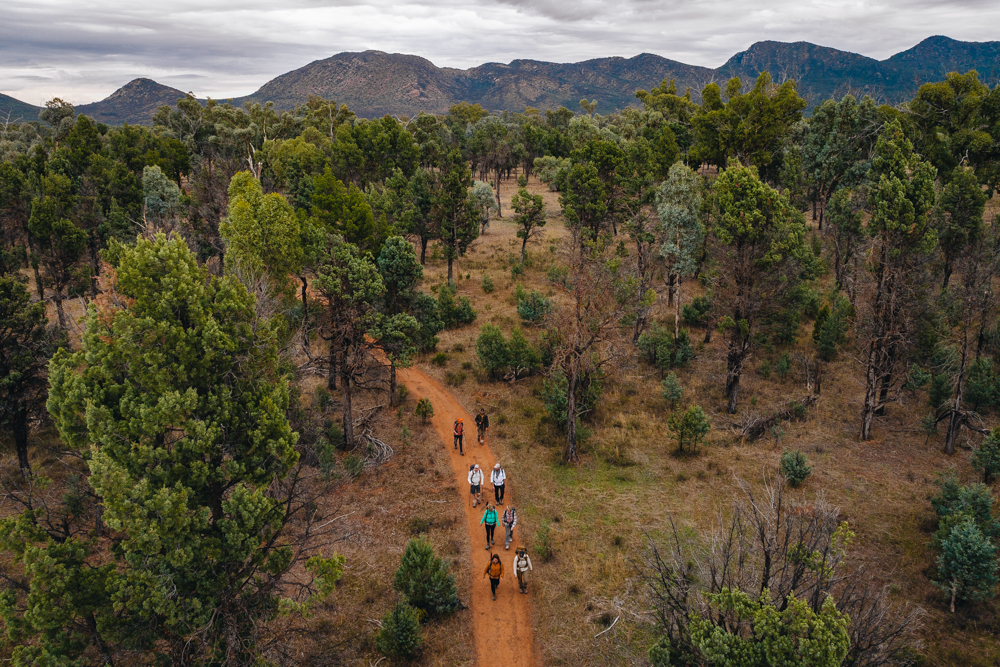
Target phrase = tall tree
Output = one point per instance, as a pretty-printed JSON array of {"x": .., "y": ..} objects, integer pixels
[
  {"x": 399, "y": 331},
  {"x": 529, "y": 212},
  {"x": 177, "y": 399},
  {"x": 682, "y": 233},
  {"x": 901, "y": 196},
  {"x": 758, "y": 241},
  {"x": 962, "y": 203},
  {"x": 837, "y": 147},
  {"x": 25, "y": 348},
  {"x": 455, "y": 216},
  {"x": 587, "y": 330},
  {"x": 60, "y": 243},
  {"x": 261, "y": 231},
  {"x": 351, "y": 286}
]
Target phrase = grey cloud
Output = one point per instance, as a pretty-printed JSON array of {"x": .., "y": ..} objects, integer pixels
[{"x": 84, "y": 52}]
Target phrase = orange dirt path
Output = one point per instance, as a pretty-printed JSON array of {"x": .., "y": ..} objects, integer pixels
[{"x": 502, "y": 629}]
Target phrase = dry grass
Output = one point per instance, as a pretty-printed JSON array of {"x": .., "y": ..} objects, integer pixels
[{"x": 629, "y": 479}]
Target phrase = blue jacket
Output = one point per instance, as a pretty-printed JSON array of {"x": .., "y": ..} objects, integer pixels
[{"x": 490, "y": 517}]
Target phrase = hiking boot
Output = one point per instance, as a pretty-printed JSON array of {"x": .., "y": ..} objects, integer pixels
[
  {"x": 487, "y": 547},
  {"x": 494, "y": 597},
  {"x": 506, "y": 547}
]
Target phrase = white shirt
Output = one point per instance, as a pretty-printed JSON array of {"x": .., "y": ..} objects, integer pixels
[
  {"x": 526, "y": 567},
  {"x": 475, "y": 477},
  {"x": 498, "y": 476}
]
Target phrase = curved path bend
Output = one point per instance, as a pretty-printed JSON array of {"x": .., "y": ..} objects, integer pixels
[{"x": 502, "y": 629}]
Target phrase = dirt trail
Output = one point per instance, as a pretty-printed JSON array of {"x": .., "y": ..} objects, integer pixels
[{"x": 503, "y": 628}]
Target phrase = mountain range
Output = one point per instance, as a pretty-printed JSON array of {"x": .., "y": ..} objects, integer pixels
[{"x": 374, "y": 83}]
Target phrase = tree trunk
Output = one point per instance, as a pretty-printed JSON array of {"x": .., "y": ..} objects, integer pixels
[
  {"x": 451, "y": 263},
  {"x": 331, "y": 379},
  {"x": 345, "y": 393},
  {"x": 392, "y": 384},
  {"x": 499, "y": 207},
  {"x": 734, "y": 368},
  {"x": 305, "y": 313},
  {"x": 423, "y": 250},
  {"x": 571, "y": 382},
  {"x": 58, "y": 298},
  {"x": 871, "y": 404},
  {"x": 20, "y": 427},
  {"x": 39, "y": 287},
  {"x": 957, "y": 416},
  {"x": 524, "y": 247},
  {"x": 677, "y": 310},
  {"x": 947, "y": 273}
]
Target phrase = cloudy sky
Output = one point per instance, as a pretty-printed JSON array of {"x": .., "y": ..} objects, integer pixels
[{"x": 83, "y": 50}]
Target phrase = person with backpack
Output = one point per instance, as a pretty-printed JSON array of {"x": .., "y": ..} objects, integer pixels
[
  {"x": 522, "y": 563},
  {"x": 482, "y": 425},
  {"x": 459, "y": 432},
  {"x": 509, "y": 520},
  {"x": 495, "y": 572},
  {"x": 498, "y": 477},
  {"x": 490, "y": 519},
  {"x": 476, "y": 484}
]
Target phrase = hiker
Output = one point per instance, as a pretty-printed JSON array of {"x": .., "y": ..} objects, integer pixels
[
  {"x": 509, "y": 520},
  {"x": 498, "y": 477},
  {"x": 476, "y": 484},
  {"x": 522, "y": 563},
  {"x": 494, "y": 570},
  {"x": 490, "y": 519},
  {"x": 482, "y": 425},
  {"x": 459, "y": 431}
]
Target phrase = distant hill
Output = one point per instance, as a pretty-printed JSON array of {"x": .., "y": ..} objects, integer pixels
[
  {"x": 134, "y": 103},
  {"x": 373, "y": 83},
  {"x": 16, "y": 109}
]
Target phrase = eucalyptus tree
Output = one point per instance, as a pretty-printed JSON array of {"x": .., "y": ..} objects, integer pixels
[{"x": 682, "y": 232}]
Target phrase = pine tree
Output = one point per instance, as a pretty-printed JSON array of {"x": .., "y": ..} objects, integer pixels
[{"x": 177, "y": 401}]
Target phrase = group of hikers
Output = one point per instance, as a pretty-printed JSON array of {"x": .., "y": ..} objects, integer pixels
[{"x": 522, "y": 562}]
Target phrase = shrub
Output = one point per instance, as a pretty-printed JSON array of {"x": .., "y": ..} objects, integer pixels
[
  {"x": 500, "y": 357},
  {"x": 522, "y": 181},
  {"x": 956, "y": 500},
  {"x": 323, "y": 397},
  {"x": 783, "y": 366},
  {"x": 516, "y": 271},
  {"x": 488, "y": 286},
  {"x": 982, "y": 385},
  {"x": 552, "y": 171},
  {"x": 543, "y": 543},
  {"x": 689, "y": 427},
  {"x": 557, "y": 275},
  {"x": 402, "y": 392},
  {"x": 695, "y": 314},
  {"x": 424, "y": 581},
  {"x": 424, "y": 410},
  {"x": 326, "y": 453},
  {"x": 765, "y": 369},
  {"x": 492, "y": 350},
  {"x": 453, "y": 310},
  {"x": 967, "y": 565},
  {"x": 353, "y": 465},
  {"x": 672, "y": 390},
  {"x": 658, "y": 347},
  {"x": 335, "y": 434},
  {"x": 440, "y": 359},
  {"x": 794, "y": 467},
  {"x": 534, "y": 307},
  {"x": 940, "y": 391},
  {"x": 400, "y": 636},
  {"x": 986, "y": 457},
  {"x": 454, "y": 379}
]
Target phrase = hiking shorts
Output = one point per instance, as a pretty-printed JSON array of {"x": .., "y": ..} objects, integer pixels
[{"x": 474, "y": 488}]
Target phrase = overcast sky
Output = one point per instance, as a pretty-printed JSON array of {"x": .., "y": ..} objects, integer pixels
[{"x": 85, "y": 49}]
